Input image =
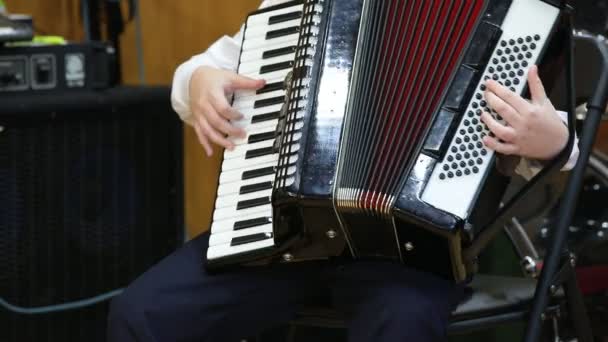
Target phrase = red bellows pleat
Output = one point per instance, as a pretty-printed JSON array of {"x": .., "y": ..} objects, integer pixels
[{"x": 416, "y": 60}]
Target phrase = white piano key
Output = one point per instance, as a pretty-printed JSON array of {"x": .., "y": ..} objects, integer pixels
[
  {"x": 219, "y": 251},
  {"x": 265, "y": 128},
  {"x": 256, "y": 65},
  {"x": 239, "y": 163},
  {"x": 243, "y": 94},
  {"x": 253, "y": 130},
  {"x": 235, "y": 187},
  {"x": 226, "y": 237},
  {"x": 258, "y": 53},
  {"x": 262, "y": 125},
  {"x": 241, "y": 150},
  {"x": 275, "y": 75},
  {"x": 237, "y": 175},
  {"x": 229, "y": 223},
  {"x": 262, "y": 18},
  {"x": 224, "y": 213},
  {"x": 246, "y": 103},
  {"x": 254, "y": 31},
  {"x": 234, "y": 199},
  {"x": 248, "y": 114},
  {"x": 273, "y": 43}
]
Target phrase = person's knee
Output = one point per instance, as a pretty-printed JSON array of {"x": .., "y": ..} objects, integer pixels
[
  {"x": 400, "y": 302},
  {"x": 123, "y": 310},
  {"x": 413, "y": 312},
  {"x": 126, "y": 309}
]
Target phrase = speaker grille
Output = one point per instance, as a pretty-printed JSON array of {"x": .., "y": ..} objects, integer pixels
[{"x": 88, "y": 201}]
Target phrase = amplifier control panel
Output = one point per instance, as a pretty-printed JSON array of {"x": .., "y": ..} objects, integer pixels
[
  {"x": 14, "y": 73},
  {"x": 57, "y": 68}
]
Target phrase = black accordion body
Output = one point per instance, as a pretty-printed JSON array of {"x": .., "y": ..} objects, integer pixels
[{"x": 367, "y": 137}]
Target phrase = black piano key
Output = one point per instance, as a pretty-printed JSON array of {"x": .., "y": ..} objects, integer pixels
[
  {"x": 282, "y": 32},
  {"x": 247, "y": 189},
  {"x": 259, "y": 172},
  {"x": 276, "y": 19},
  {"x": 260, "y": 221},
  {"x": 269, "y": 102},
  {"x": 279, "y": 52},
  {"x": 259, "y": 152},
  {"x": 276, "y": 67},
  {"x": 256, "y": 202},
  {"x": 242, "y": 240},
  {"x": 270, "y": 87},
  {"x": 261, "y": 137},
  {"x": 265, "y": 117}
]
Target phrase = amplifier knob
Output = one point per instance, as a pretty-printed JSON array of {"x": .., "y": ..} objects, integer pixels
[
  {"x": 409, "y": 246},
  {"x": 287, "y": 257}
]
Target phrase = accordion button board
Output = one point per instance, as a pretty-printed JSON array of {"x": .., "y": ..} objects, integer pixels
[{"x": 467, "y": 160}]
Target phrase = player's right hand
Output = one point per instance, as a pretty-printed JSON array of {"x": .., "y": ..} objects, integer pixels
[{"x": 210, "y": 90}]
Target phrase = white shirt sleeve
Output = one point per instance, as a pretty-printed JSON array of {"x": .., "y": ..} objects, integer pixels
[
  {"x": 529, "y": 168},
  {"x": 223, "y": 54}
]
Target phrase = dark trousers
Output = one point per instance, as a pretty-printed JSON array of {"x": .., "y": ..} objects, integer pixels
[{"x": 177, "y": 300}]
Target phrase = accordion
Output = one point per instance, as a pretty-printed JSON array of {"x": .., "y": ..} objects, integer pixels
[{"x": 366, "y": 139}]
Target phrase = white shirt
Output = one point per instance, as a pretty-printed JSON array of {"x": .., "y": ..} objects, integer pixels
[{"x": 224, "y": 54}]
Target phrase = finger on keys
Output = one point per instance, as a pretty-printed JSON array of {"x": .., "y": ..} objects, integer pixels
[
  {"x": 240, "y": 82},
  {"x": 508, "y": 113},
  {"x": 219, "y": 122},
  {"x": 202, "y": 138},
  {"x": 509, "y": 97},
  {"x": 214, "y": 135},
  {"x": 537, "y": 90},
  {"x": 501, "y": 131},
  {"x": 500, "y": 147},
  {"x": 221, "y": 105}
]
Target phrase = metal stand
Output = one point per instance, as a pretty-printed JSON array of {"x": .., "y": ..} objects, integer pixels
[{"x": 558, "y": 267}]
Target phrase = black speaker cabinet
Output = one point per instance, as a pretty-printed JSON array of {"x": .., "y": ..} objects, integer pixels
[{"x": 90, "y": 197}]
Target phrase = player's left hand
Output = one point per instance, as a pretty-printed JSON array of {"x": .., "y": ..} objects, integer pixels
[{"x": 533, "y": 128}]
